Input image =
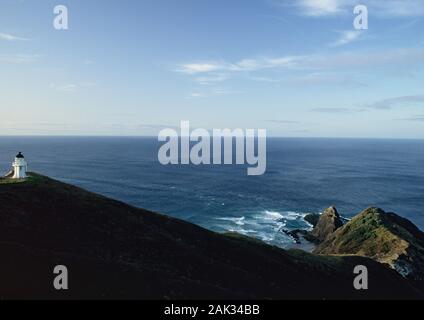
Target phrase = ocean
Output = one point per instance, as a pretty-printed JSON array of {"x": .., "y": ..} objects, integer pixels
[{"x": 303, "y": 176}]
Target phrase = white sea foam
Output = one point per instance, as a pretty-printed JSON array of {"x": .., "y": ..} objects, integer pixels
[
  {"x": 237, "y": 221},
  {"x": 267, "y": 225},
  {"x": 246, "y": 231},
  {"x": 290, "y": 215},
  {"x": 273, "y": 215}
]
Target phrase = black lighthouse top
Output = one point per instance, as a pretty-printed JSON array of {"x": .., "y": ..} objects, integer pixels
[{"x": 20, "y": 155}]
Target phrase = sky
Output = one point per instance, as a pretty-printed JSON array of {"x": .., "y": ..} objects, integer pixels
[{"x": 133, "y": 67}]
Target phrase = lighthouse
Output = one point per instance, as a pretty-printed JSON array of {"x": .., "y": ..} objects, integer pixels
[{"x": 20, "y": 167}]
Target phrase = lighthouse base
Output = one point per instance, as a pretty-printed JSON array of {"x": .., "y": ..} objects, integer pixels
[{"x": 19, "y": 173}]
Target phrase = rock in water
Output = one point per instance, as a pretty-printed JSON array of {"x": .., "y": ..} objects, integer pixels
[
  {"x": 384, "y": 237},
  {"x": 329, "y": 222},
  {"x": 312, "y": 219}
]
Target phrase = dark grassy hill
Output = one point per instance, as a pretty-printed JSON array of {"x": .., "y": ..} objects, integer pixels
[{"x": 114, "y": 251}]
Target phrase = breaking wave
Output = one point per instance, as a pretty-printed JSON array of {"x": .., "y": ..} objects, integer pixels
[
  {"x": 267, "y": 225},
  {"x": 238, "y": 221}
]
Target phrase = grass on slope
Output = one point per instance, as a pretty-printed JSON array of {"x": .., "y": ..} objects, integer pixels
[{"x": 167, "y": 258}]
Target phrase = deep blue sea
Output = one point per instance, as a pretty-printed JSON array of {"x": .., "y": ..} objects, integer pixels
[{"x": 303, "y": 176}]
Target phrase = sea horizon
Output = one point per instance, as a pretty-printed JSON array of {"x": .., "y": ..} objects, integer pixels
[{"x": 155, "y": 137}]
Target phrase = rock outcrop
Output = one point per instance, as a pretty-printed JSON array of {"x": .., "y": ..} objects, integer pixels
[
  {"x": 384, "y": 237},
  {"x": 312, "y": 219},
  {"x": 328, "y": 222}
]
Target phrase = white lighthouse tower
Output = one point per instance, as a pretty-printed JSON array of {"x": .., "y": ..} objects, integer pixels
[{"x": 20, "y": 167}]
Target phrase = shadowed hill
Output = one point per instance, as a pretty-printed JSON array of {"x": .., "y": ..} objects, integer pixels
[{"x": 113, "y": 250}]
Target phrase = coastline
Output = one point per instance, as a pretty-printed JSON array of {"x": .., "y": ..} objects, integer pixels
[{"x": 137, "y": 254}]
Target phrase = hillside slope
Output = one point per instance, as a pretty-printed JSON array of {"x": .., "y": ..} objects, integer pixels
[
  {"x": 384, "y": 237},
  {"x": 115, "y": 251}
]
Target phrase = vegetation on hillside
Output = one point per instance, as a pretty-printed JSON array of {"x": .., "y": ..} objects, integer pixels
[
  {"x": 384, "y": 237},
  {"x": 114, "y": 250}
]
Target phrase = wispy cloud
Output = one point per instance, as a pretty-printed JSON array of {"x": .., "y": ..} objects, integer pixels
[
  {"x": 314, "y": 66},
  {"x": 71, "y": 87},
  {"x": 399, "y": 8},
  {"x": 264, "y": 79},
  {"x": 195, "y": 95},
  {"x": 324, "y": 78},
  {"x": 366, "y": 59},
  {"x": 210, "y": 92},
  {"x": 347, "y": 37},
  {"x": 282, "y": 121},
  {"x": 390, "y": 8},
  {"x": 213, "y": 78},
  {"x": 10, "y": 37},
  {"x": 81, "y": 128},
  {"x": 194, "y": 68},
  {"x": 64, "y": 88},
  {"x": 248, "y": 64},
  {"x": 265, "y": 63},
  {"x": 18, "y": 58},
  {"x": 337, "y": 110},
  {"x": 405, "y": 101},
  {"x": 413, "y": 118},
  {"x": 320, "y": 7},
  {"x": 385, "y": 104}
]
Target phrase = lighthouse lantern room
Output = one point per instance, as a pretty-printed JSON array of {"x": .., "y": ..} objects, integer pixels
[{"x": 20, "y": 167}]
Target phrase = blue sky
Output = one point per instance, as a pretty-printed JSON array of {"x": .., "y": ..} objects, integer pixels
[{"x": 132, "y": 67}]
